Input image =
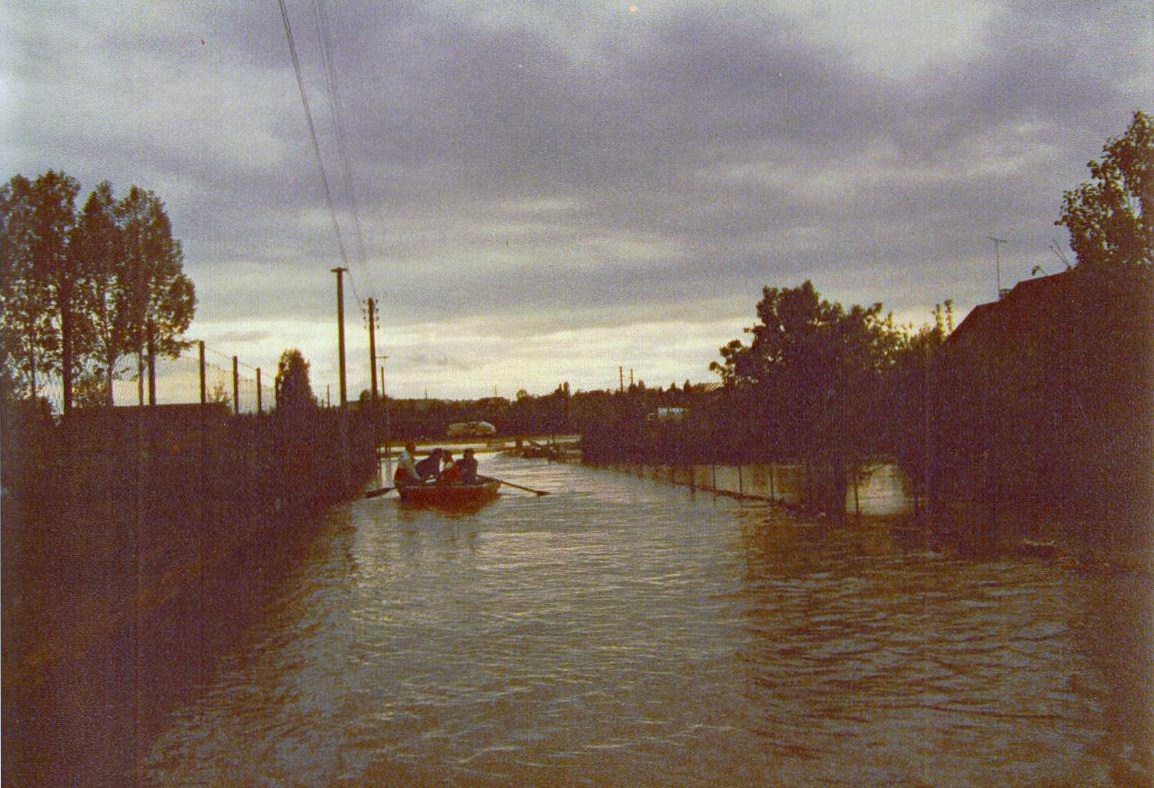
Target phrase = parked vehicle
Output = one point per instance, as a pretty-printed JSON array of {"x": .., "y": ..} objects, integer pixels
[{"x": 471, "y": 429}]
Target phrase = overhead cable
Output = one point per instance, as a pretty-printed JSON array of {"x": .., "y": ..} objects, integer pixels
[
  {"x": 312, "y": 131},
  {"x": 336, "y": 106}
]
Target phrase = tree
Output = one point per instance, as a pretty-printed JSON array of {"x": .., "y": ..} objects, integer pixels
[
  {"x": 21, "y": 323},
  {"x": 910, "y": 396},
  {"x": 83, "y": 291},
  {"x": 159, "y": 300},
  {"x": 39, "y": 278},
  {"x": 811, "y": 383},
  {"x": 808, "y": 340},
  {"x": 810, "y": 379},
  {"x": 98, "y": 248},
  {"x": 294, "y": 392},
  {"x": 1111, "y": 218}
]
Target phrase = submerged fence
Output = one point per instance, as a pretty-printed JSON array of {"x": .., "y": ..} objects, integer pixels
[
  {"x": 199, "y": 374},
  {"x": 874, "y": 490}
]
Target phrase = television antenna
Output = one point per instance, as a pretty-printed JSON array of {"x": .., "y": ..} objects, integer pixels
[
  {"x": 998, "y": 260},
  {"x": 1057, "y": 250}
]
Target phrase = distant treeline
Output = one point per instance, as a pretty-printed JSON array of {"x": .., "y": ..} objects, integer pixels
[{"x": 560, "y": 412}]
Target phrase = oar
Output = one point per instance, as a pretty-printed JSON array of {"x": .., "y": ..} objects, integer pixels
[
  {"x": 519, "y": 487},
  {"x": 377, "y": 493}
]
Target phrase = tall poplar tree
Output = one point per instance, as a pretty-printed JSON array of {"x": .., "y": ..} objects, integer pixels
[
  {"x": 158, "y": 298},
  {"x": 40, "y": 330},
  {"x": 21, "y": 321},
  {"x": 97, "y": 247},
  {"x": 294, "y": 392},
  {"x": 81, "y": 292}
]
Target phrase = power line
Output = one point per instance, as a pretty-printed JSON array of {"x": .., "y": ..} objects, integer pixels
[
  {"x": 312, "y": 130},
  {"x": 356, "y": 292},
  {"x": 336, "y": 106}
]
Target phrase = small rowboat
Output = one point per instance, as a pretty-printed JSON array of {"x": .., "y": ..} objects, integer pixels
[{"x": 449, "y": 495}]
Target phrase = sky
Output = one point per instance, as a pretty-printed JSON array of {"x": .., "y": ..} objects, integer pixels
[{"x": 549, "y": 191}]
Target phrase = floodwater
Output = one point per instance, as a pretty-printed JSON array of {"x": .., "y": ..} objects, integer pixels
[{"x": 623, "y": 630}]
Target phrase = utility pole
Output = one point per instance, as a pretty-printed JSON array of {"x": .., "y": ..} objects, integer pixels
[
  {"x": 621, "y": 379},
  {"x": 341, "y": 331},
  {"x": 203, "y": 390},
  {"x": 373, "y": 347},
  {"x": 998, "y": 260}
]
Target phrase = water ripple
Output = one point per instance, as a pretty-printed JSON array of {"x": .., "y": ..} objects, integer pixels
[{"x": 624, "y": 631}]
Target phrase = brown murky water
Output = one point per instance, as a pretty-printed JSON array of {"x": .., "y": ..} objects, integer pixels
[{"x": 627, "y": 631}]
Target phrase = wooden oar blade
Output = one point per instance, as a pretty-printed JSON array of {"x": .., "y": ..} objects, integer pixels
[
  {"x": 379, "y": 492},
  {"x": 519, "y": 487}
]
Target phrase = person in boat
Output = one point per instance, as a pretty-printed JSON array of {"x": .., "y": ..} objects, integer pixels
[
  {"x": 450, "y": 472},
  {"x": 467, "y": 468},
  {"x": 430, "y": 467},
  {"x": 406, "y": 472}
]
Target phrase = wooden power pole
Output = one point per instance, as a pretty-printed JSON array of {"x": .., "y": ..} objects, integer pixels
[
  {"x": 373, "y": 348},
  {"x": 341, "y": 332}
]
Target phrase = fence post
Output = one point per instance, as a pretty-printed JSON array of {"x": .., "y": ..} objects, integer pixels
[
  {"x": 259, "y": 409},
  {"x": 856, "y": 500},
  {"x": 203, "y": 381},
  {"x": 151, "y": 371},
  {"x": 235, "y": 385}
]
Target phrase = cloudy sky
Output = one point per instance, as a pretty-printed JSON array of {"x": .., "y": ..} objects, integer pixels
[{"x": 545, "y": 191}]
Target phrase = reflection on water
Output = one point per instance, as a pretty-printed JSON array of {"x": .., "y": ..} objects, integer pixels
[
  {"x": 626, "y": 631},
  {"x": 873, "y": 489}
]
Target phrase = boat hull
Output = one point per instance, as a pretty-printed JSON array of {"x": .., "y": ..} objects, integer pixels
[{"x": 449, "y": 495}]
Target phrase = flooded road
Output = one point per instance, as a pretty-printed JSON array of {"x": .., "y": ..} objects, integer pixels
[{"x": 626, "y": 631}]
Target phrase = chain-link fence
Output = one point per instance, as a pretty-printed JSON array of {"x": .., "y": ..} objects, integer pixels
[{"x": 198, "y": 374}]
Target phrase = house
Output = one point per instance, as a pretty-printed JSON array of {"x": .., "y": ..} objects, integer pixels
[{"x": 1045, "y": 400}]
